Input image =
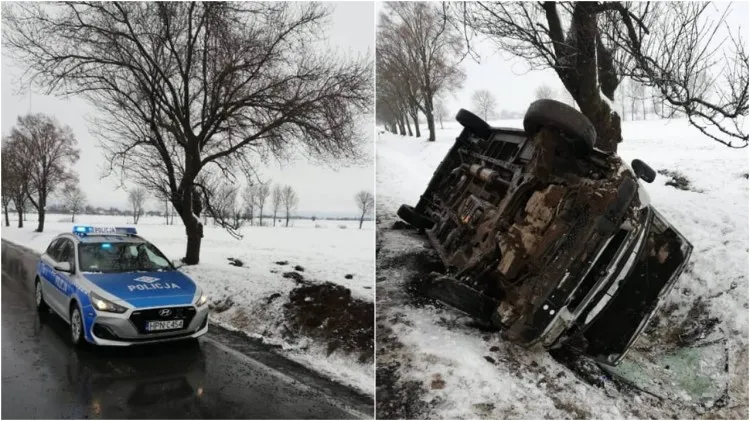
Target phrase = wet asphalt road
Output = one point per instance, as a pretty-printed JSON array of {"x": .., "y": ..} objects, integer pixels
[{"x": 225, "y": 375}]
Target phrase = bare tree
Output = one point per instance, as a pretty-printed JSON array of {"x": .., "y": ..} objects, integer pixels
[
  {"x": 544, "y": 92},
  {"x": 276, "y": 200},
  {"x": 185, "y": 86},
  {"x": 657, "y": 44},
  {"x": 441, "y": 111},
  {"x": 45, "y": 151},
  {"x": 6, "y": 185},
  {"x": 290, "y": 200},
  {"x": 74, "y": 198},
  {"x": 485, "y": 103},
  {"x": 264, "y": 190},
  {"x": 13, "y": 183},
  {"x": 249, "y": 196},
  {"x": 222, "y": 204},
  {"x": 365, "y": 202},
  {"x": 168, "y": 208},
  {"x": 419, "y": 53},
  {"x": 136, "y": 198}
]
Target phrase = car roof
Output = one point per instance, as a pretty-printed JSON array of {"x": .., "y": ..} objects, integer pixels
[
  {"x": 111, "y": 238},
  {"x": 102, "y": 238}
]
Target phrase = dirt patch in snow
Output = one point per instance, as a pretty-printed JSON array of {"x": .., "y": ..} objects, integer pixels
[
  {"x": 327, "y": 311},
  {"x": 678, "y": 180},
  {"x": 397, "y": 398}
]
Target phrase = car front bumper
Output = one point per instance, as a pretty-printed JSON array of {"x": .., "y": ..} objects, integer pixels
[{"x": 111, "y": 329}]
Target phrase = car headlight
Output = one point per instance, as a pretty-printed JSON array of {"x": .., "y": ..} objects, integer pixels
[
  {"x": 101, "y": 304},
  {"x": 202, "y": 300}
]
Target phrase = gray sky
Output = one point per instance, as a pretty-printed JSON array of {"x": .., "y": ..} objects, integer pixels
[
  {"x": 511, "y": 81},
  {"x": 321, "y": 190}
]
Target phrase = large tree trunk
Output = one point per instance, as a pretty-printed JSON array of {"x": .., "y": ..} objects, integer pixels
[
  {"x": 401, "y": 128},
  {"x": 431, "y": 126},
  {"x": 189, "y": 208},
  {"x": 40, "y": 225},
  {"x": 7, "y": 217},
  {"x": 19, "y": 211},
  {"x": 415, "y": 117},
  {"x": 41, "y": 211},
  {"x": 287, "y": 218},
  {"x": 589, "y": 93},
  {"x": 406, "y": 122},
  {"x": 274, "y": 218},
  {"x": 430, "y": 116},
  {"x": 361, "y": 220}
]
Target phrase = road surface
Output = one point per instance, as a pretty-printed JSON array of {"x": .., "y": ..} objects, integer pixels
[{"x": 225, "y": 375}]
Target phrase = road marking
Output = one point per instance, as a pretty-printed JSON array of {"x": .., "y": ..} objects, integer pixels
[{"x": 329, "y": 399}]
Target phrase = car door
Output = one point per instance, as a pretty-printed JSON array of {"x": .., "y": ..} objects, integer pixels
[
  {"x": 56, "y": 286},
  {"x": 48, "y": 273},
  {"x": 63, "y": 281}
]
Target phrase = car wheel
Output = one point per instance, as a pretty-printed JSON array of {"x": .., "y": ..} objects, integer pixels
[
  {"x": 41, "y": 305},
  {"x": 551, "y": 113},
  {"x": 475, "y": 124},
  {"x": 414, "y": 218},
  {"x": 76, "y": 326}
]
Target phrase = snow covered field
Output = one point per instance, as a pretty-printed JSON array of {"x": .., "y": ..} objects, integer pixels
[
  {"x": 257, "y": 290},
  {"x": 449, "y": 369}
]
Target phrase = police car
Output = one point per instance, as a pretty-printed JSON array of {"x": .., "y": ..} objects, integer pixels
[{"x": 115, "y": 288}]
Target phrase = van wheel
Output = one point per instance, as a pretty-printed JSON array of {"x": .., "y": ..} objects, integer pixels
[
  {"x": 76, "y": 326},
  {"x": 41, "y": 305},
  {"x": 563, "y": 117},
  {"x": 475, "y": 124},
  {"x": 414, "y": 218}
]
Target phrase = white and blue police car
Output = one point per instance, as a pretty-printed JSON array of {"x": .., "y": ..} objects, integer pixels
[{"x": 115, "y": 288}]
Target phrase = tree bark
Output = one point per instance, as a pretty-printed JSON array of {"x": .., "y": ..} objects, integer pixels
[
  {"x": 417, "y": 132},
  {"x": 189, "y": 207},
  {"x": 7, "y": 217},
  {"x": 40, "y": 225},
  {"x": 361, "y": 220},
  {"x": 401, "y": 128},
  {"x": 19, "y": 211},
  {"x": 588, "y": 94},
  {"x": 430, "y": 116},
  {"x": 408, "y": 126},
  {"x": 274, "y": 218},
  {"x": 431, "y": 126}
]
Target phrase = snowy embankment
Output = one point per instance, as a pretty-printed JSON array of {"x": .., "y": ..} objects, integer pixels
[
  {"x": 432, "y": 362},
  {"x": 255, "y": 298}
]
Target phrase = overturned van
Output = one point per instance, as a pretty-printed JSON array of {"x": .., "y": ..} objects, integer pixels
[{"x": 552, "y": 240}]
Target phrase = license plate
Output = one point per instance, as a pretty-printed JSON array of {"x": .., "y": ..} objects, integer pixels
[{"x": 164, "y": 325}]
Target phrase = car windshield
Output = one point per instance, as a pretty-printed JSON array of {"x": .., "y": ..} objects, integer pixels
[{"x": 121, "y": 257}]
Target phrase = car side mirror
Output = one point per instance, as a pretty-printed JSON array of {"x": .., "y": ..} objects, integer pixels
[
  {"x": 643, "y": 171},
  {"x": 177, "y": 263},
  {"x": 63, "y": 267}
]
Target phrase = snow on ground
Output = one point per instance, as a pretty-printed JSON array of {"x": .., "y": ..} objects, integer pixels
[
  {"x": 463, "y": 372},
  {"x": 327, "y": 250}
]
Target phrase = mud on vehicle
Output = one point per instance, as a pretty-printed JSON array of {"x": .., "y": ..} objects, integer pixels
[{"x": 545, "y": 236}]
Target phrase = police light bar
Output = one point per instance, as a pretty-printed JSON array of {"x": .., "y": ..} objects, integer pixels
[{"x": 83, "y": 230}]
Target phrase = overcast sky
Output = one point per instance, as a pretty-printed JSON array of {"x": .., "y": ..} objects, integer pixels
[
  {"x": 321, "y": 190},
  {"x": 514, "y": 84}
]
